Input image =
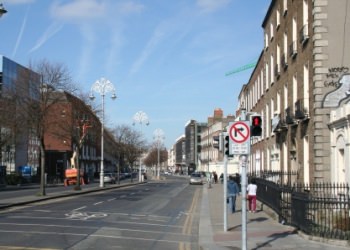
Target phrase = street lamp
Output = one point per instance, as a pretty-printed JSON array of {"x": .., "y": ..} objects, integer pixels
[
  {"x": 2, "y": 10},
  {"x": 102, "y": 87},
  {"x": 159, "y": 138},
  {"x": 141, "y": 118}
]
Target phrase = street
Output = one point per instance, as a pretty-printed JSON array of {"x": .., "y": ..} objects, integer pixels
[{"x": 155, "y": 215}]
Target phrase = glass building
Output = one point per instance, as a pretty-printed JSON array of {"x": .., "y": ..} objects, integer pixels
[{"x": 19, "y": 147}]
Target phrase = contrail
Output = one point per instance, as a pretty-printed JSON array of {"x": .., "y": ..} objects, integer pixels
[
  {"x": 19, "y": 38},
  {"x": 51, "y": 31}
]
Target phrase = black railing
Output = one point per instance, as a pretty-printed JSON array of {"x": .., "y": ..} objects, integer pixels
[{"x": 320, "y": 209}]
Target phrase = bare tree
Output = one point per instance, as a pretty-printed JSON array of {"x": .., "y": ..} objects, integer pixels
[
  {"x": 8, "y": 124},
  {"x": 131, "y": 145},
  {"x": 36, "y": 95},
  {"x": 152, "y": 157}
]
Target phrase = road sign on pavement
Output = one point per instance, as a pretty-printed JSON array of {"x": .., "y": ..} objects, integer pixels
[{"x": 239, "y": 133}]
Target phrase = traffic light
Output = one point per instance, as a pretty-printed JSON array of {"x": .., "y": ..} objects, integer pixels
[
  {"x": 227, "y": 145},
  {"x": 216, "y": 141},
  {"x": 255, "y": 127}
]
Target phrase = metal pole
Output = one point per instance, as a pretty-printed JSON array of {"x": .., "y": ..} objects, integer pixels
[
  {"x": 209, "y": 179},
  {"x": 158, "y": 159},
  {"x": 102, "y": 184},
  {"x": 225, "y": 193},
  {"x": 140, "y": 154},
  {"x": 102, "y": 86},
  {"x": 140, "y": 117},
  {"x": 159, "y": 137},
  {"x": 244, "y": 192}
]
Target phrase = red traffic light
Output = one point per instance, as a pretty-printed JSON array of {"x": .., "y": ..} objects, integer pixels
[
  {"x": 256, "y": 121},
  {"x": 256, "y": 125}
]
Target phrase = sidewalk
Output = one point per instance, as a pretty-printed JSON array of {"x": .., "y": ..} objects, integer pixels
[{"x": 263, "y": 232}]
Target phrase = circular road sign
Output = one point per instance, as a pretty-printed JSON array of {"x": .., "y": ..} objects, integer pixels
[{"x": 239, "y": 132}]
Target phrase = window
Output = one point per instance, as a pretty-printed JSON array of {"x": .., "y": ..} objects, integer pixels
[
  {"x": 272, "y": 69},
  {"x": 294, "y": 29},
  {"x": 305, "y": 12},
  {"x": 278, "y": 103},
  {"x": 304, "y": 32},
  {"x": 266, "y": 41},
  {"x": 306, "y": 87},
  {"x": 267, "y": 75},
  {"x": 295, "y": 91},
  {"x": 285, "y": 7},
  {"x": 278, "y": 57},
  {"x": 285, "y": 96},
  {"x": 271, "y": 31}
]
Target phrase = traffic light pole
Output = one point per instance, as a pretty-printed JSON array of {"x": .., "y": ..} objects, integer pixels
[
  {"x": 244, "y": 201},
  {"x": 244, "y": 192}
]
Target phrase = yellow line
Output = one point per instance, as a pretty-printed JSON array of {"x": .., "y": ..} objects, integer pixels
[
  {"x": 187, "y": 228},
  {"x": 181, "y": 246}
]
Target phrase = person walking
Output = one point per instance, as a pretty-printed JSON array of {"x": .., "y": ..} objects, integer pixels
[
  {"x": 215, "y": 177},
  {"x": 232, "y": 192},
  {"x": 251, "y": 190}
]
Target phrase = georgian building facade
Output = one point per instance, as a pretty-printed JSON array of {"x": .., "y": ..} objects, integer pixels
[
  {"x": 301, "y": 76},
  {"x": 210, "y": 157}
]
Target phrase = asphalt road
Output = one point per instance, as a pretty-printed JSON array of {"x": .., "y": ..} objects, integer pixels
[{"x": 156, "y": 215}]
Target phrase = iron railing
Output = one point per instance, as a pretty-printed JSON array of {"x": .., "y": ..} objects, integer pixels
[{"x": 319, "y": 209}]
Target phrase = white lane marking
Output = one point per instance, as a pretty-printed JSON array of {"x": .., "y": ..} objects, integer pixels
[
  {"x": 94, "y": 235},
  {"x": 84, "y": 216},
  {"x": 79, "y": 208},
  {"x": 112, "y": 199},
  {"x": 97, "y": 203}
]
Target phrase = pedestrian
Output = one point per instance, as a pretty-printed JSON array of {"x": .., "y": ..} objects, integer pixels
[
  {"x": 215, "y": 177},
  {"x": 251, "y": 189},
  {"x": 232, "y": 192}
]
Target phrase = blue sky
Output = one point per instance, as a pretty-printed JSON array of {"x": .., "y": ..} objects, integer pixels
[{"x": 167, "y": 58}]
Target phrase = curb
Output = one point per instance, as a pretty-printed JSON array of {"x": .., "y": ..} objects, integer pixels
[{"x": 67, "y": 193}]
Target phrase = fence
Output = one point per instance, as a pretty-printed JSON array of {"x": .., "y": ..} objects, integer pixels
[{"x": 320, "y": 209}]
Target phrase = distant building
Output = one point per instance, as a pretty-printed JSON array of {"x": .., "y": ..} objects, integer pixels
[
  {"x": 171, "y": 159},
  {"x": 180, "y": 155},
  {"x": 210, "y": 158},
  {"x": 193, "y": 130}
]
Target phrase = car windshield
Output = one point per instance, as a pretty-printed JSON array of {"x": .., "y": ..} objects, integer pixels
[{"x": 196, "y": 175}]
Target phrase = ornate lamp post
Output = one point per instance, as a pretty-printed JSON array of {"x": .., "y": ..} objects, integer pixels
[
  {"x": 159, "y": 137},
  {"x": 102, "y": 87},
  {"x": 2, "y": 10},
  {"x": 141, "y": 118}
]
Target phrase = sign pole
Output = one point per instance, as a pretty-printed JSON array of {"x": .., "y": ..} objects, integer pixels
[
  {"x": 225, "y": 192},
  {"x": 244, "y": 191},
  {"x": 244, "y": 201}
]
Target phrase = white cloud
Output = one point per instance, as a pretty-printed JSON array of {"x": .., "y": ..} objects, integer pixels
[
  {"x": 18, "y": 1},
  {"x": 212, "y": 5},
  {"x": 78, "y": 10},
  {"x": 130, "y": 7}
]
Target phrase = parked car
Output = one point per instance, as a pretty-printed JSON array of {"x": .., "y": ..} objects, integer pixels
[
  {"x": 196, "y": 178},
  {"x": 109, "y": 178}
]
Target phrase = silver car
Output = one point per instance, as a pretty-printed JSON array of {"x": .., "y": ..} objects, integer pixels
[
  {"x": 109, "y": 178},
  {"x": 196, "y": 178}
]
